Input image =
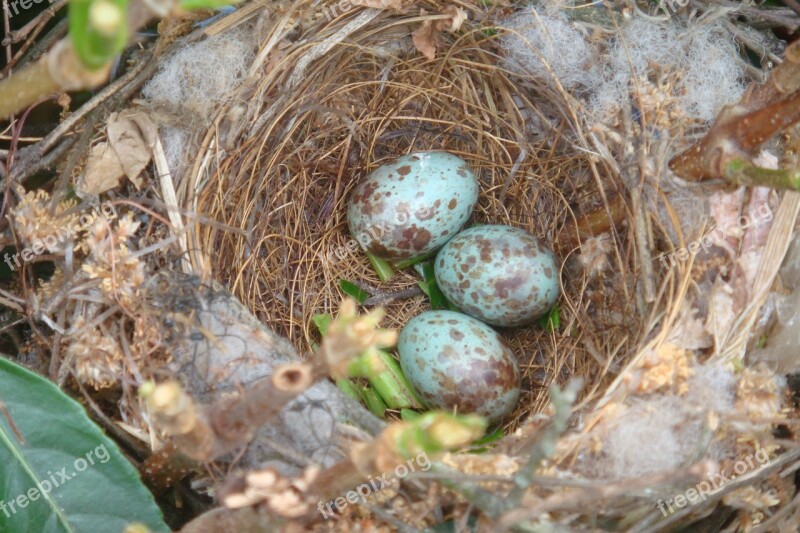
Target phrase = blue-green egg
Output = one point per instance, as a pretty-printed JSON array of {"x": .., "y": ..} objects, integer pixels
[
  {"x": 410, "y": 207},
  {"x": 501, "y": 275},
  {"x": 455, "y": 361}
]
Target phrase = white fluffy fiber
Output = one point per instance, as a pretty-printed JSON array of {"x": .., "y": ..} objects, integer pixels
[
  {"x": 660, "y": 432},
  {"x": 647, "y": 439},
  {"x": 191, "y": 85},
  {"x": 542, "y": 42},
  {"x": 201, "y": 76},
  {"x": 703, "y": 56},
  {"x": 537, "y": 42}
]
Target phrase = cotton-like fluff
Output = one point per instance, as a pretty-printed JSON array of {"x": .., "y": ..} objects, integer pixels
[
  {"x": 200, "y": 76},
  {"x": 657, "y": 433},
  {"x": 192, "y": 84},
  {"x": 543, "y": 44},
  {"x": 702, "y": 58}
]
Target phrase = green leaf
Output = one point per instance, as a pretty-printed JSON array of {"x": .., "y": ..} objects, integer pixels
[
  {"x": 480, "y": 444},
  {"x": 351, "y": 289},
  {"x": 349, "y": 388},
  {"x": 431, "y": 288},
  {"x": 552, "y": 320},
  {"x": 374, "y": 402},
  {"x": 391, "y": 384},
  {"x": 409, "y": 414},
  {"x": 98, "y": 29},
  {"x": 63, "y": 474},
  {"x": 364, "y": 394},
  {"x": 405, "y": 263},
  {"x": 762, "y": 341},
  {"x": 382, "y": 267},
  {"x": 322, "y": 321}
]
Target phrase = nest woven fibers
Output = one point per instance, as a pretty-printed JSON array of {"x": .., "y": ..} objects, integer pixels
[{"x": 315, "y": 128}]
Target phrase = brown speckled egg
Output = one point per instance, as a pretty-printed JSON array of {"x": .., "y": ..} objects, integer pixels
[
  {"x": 410, "y": 207},
  {"x": 455, "y": 361},
  {"x": 501, "y": 275}
]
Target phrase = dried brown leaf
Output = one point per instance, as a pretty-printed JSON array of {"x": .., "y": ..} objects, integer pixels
[
  {"x": 425, "y": 40},
  {"x": 427, "y": 37},
  {"x": 132, "y": 136},
  {"x": 103, "y": 172}
]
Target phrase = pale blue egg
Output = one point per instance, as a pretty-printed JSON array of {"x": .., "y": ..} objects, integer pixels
[
  {"x": 412, "y": 206},
  {"x": 501, "y": 275},
  {"x": 455, "y": 361}
]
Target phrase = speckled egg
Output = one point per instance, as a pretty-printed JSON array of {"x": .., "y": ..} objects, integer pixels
[
  {"x": 409, "y": 208},
  {"x": 453, "y": 360},
  {"x": 502, "y": 275}
]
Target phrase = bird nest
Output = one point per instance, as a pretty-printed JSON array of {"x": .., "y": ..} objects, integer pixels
[{"x": 285, "y": 182}]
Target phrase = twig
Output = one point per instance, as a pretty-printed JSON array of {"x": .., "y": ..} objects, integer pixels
[
  {"x": 736, "y": 137},
  {"x": 381, "y": 298},
  {"x": 6, "y": 30},
  {"x": 33, "y": 49},
  {"x": 42, "y": 18},
  {"x": 171, "y": 201},
  {"x": 584, "y": 497},
  {"x": 205, "y": 435},
  {"x": 60, "y": 187},
  {"x": 714, "y": 496},
  {"x": 29, "y": 159},
  {"x": 794, "y": 5},
  {"x": 640, "y": 213},
  {"x": 59, "y": 70},
  {"x": 544, "y": 446}
]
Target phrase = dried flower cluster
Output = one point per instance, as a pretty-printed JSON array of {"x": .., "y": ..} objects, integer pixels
[
  {"x": 759, "y": 395},
  {"x": 665, "y": 369},
  {"x": 96, "y": 356},
  {"x": 657, "y": 103},
  {"x": 281, "y": 495},
  {"x": 33, "y": 219},
  {"x": 111, "y": 260}
]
